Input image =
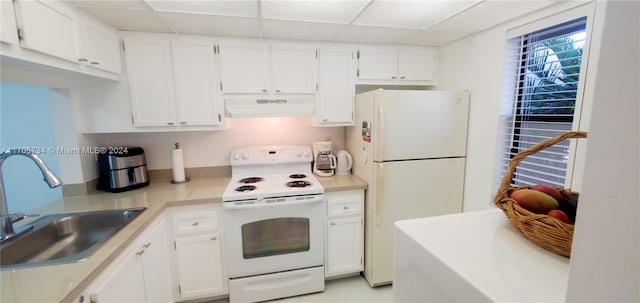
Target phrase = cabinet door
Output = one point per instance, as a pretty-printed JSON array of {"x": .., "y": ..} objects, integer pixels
[
  {"x": 336, "y": 87},
  {"x": 344, "y": 246},
  {"x": 294, "y": 69},
  {"x": 198, "y": 97},
  {"x": 99, "y": 46},
  {"x": 244, "y": 68},
  {"x": 48, "y": 27},
  {"x": 122, "y": 283},
  {"x": 199, "y": 262},
  {"x": 155, "y": 263},
  {"x": 151, "y": 82},
  {"x": 8, "y": 26},
  {"x": 378, "y": 63},
  {"x": 416, "y": 63}
]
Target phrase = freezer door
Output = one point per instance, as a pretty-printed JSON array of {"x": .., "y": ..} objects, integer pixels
[
  {"x": 407, "y": 190},
  {"x": 420, "y": 124}
]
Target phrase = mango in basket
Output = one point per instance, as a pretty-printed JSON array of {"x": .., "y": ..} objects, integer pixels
[
  {"x": 554, "y": 193},
  {"x": 534, "y": 201}
]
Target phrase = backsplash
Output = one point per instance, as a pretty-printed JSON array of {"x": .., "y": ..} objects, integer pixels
[{"x": 212, "y": 148}]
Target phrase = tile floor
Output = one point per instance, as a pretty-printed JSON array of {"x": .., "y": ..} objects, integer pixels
[{"x": 346, "y": 290}]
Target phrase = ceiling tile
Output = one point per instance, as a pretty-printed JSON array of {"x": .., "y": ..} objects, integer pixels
[
  {"x": 121, "y": 4},
  {"x": 212, "y": 25},
  {"x": 238, "y": 8},
  {"x": 489, "y": 13},
  {"x": 130, "y": 20},
  {"x": 409, "y": 14},
  {"x": 275, "y": 29},
  {"x": 372, "y": 34},
  {"x": 327, "y": 11},
  {"x": 433, "y": 38}
]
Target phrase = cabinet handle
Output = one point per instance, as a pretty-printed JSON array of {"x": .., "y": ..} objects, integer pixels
[
  {"x": 183, "y": 123},
  {"x": 214, "y": 238},
  {"x": 346, "y": 207},
  {"x": 219, "y": 118},
  {"x": 169, "y": 123},
  {"x": 81, "y": 299},
  {"x": 83, "y": 60},
  {"x": 95, "y": 63},
  {"x": 195, "y": 223},
  {"x": 93, "y": 298},
  {"x": 140, "y": 253},
  {"x": 146, "y": 245},
  {"x": 264, "y": 90},
  {"x": 325, "y": 120},
  {"x": 402, "y": 77},
  {"x": 333, "y": 223},
  {"x": 393, "y": 77},
  {"x": 277, "y": 90}
]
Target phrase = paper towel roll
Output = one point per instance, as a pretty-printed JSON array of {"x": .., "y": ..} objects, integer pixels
[{"x": 178, "y": 165}]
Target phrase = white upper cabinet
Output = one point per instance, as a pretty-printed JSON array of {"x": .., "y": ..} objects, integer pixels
[
  {"x": 196, "y": 84},
  {"x": 8, "y": 26},
  {"x": 380, "y": 63},
  {"x": 173, "y": 81},
  {"x": 294, "y": 69},
  {"x": 396, "y": 65},
  {"x": 336, "y": 91},
  {"x": 48, "y": 27},
  {"x": 416, "y": 63},
  {"x": 244, "y": 68},
  {"x": 256, "y": 67},
  {"x": 151, "y": 81},
  {"x": 99, "y": 45}
]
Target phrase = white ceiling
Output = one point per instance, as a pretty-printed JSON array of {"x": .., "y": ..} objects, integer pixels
[{"x": 414, "y": 22}]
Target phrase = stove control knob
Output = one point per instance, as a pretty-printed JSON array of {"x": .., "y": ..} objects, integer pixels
[
  {"x": 236, "y": 157},
  {"x": 245, "y": 156},
  {"x": 298, "y": 154},
  {"x": 306, "y": 154}
]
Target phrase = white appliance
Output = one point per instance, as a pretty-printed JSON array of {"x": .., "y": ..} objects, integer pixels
[
  {"x": 324, "y": 163},
  {"x": 274, "y": 211},
  {"x": 345, "y": 162},
  {"x": 410, "y": 147}
]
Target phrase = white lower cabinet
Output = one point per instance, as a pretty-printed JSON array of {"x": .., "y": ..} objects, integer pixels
[
  {"x": 345, "y": 233},
  {"x": 139, "y": 274},
  {"x": 199, "y": 270}
]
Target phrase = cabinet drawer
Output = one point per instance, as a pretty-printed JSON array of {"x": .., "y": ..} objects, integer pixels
[
  {"x": 344, "y": 207},
  {"x": 195, "y": 221}
]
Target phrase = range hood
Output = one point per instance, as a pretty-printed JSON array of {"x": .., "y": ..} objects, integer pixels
[{"x": 269, "y": 106}]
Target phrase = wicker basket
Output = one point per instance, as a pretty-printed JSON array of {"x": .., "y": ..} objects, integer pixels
[{"x": 541, "y": 229}]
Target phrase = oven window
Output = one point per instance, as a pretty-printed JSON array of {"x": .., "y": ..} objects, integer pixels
[{"x": 275, "y": 237}]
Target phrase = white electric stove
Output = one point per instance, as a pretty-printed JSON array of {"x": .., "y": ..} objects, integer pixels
[{"x": 274, "y": 211}]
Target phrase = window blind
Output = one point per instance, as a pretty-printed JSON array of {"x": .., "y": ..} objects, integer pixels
[{"x": 542, "y": 100}]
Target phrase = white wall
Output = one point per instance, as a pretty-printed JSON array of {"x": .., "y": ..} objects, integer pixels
[
  {"x": 605, "y": 263},
  {"x": 476, "y": 63}
]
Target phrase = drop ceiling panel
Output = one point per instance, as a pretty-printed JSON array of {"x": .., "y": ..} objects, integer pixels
[
  {"x": 130, "y": 20},
  {"x": 212, "y": 25},
  {"x": 409, "y": 14},
  {"x": 489, "y": 13},
  {"x": 243, "y": 8},
  {"x": 433, "y": 38},
  {"x": 121, "y": 4},
  {"x": 275, "y": 29},
  {"x": 341, "y": 12},
  {"x": 371, "y": 34}
]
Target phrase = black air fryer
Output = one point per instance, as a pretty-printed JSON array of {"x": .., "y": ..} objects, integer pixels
[{"x": 122, "y": 169}]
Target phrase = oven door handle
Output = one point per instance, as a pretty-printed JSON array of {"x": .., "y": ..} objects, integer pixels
[{"x": 261, "y": 204}]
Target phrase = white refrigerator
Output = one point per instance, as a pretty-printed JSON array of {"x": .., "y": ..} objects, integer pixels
[{"x": 410, "y": 147}]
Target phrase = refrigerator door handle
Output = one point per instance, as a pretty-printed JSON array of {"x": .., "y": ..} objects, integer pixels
[
  {"x": 379, "y": 133},
  {"x": 379, "y": 194}
]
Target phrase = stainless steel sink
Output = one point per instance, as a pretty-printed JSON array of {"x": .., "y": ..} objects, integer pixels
[{"x": 64, "y": 238}]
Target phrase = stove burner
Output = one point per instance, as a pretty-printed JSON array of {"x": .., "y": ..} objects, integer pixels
[
  {"x": 251, "y": 180},
  {"x": 298, "y": 184},
  {"x": 245, "y": 188},
  {"x": 297, "y": 176}
]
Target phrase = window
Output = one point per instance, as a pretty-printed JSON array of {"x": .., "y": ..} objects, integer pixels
[{"x": 542, "y": 103}]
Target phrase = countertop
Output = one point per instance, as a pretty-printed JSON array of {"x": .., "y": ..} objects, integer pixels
[
  {"x": 473, "y": 257},
  {"x": 64, "y": 282}
]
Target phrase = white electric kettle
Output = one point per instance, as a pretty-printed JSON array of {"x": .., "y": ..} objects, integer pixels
[{"x": 345, "y": 162}]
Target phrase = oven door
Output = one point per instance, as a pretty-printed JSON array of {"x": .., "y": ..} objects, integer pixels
[{"x": 273, "y": 235}]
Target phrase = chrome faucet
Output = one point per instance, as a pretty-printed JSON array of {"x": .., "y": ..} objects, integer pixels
[{"x": 8, "y": 219}]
